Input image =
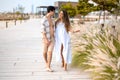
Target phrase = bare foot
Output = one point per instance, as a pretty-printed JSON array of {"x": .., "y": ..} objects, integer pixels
[
  {"x": 62, "y": 64},
  {"x": 65, "y": 67},
  {"x": 49, "y": 70}
]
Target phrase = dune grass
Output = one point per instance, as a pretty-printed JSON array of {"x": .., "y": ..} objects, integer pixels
[{"x": 100, "y": 55}]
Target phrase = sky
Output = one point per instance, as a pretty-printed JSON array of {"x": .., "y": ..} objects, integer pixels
[{"x": 9, "y": 5}]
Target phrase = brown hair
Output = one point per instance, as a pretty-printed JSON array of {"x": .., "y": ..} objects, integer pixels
[{"x": 65, "y": 20}]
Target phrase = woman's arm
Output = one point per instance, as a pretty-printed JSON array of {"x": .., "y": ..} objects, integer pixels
[{"x": 73, "y": 31}]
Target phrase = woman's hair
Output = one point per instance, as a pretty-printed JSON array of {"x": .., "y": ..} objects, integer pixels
[{"x": 65, "y": 20}]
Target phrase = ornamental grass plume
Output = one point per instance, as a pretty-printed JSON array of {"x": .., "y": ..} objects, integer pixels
[{"x": 100, "y": 54}]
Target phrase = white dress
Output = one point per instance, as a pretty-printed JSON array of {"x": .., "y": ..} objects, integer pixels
[{"x": 62, "y": 37}]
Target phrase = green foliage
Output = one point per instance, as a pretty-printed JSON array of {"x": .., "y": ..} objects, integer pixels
[
  {"x": 69, "y": 8},
  {"x": 84, "y": 7},
  {"x": 107, "y": 4},
  {"x": 20, "y": 18},
  {"x": 79, "y": 59},
  {"x": 116, "y": 10},
  {"x": 18, "y": 13}
]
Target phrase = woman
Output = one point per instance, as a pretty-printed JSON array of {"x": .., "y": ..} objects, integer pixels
[{"x": 62, "y": 39}]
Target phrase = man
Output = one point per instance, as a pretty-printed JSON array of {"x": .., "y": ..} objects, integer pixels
[{"x": 47, "y": 29}]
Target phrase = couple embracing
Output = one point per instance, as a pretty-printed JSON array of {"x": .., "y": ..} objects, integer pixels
[{"x": 55, "y": 36}]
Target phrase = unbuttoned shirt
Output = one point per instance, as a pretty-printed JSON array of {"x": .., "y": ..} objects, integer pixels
[{"x": 45, "y": 27}]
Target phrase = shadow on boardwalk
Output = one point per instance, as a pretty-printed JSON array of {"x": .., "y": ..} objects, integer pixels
[{"x": 21, "y": 56}]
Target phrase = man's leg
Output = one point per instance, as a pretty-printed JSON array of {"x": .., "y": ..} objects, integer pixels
[
  {"x": 45, "y": 49},
  {"x": 49, "y": 56}
]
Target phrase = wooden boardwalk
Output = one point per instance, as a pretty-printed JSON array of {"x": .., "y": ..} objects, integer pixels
[{"x": 21, "y": 56}]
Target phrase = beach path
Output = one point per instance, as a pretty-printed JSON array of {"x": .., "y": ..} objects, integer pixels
[{"x": 21, "y": 56}]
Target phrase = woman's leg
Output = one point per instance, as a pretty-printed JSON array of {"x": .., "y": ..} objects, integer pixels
[
  {"x": 65, "y": 66},
  {"x": 62, "y": 55}
]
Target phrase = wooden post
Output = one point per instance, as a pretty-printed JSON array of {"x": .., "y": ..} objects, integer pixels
[
  {"x": 15, "y": 21},
  {"x": 6, "y": 24}
]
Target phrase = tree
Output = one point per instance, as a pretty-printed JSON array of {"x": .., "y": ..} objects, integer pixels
[
  {"x": 106, "y": 5},
  {"x": 69, "y": 8},
  {"x": 116, "y": 9},
  {"x": 21, "y": 10},
  {"x": 84, "y": 7}
]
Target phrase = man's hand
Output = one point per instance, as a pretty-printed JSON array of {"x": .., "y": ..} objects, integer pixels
[{"x": 47, "y": 41}]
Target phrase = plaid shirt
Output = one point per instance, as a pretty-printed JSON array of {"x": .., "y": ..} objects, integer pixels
[{"x": 45, "y": 28}]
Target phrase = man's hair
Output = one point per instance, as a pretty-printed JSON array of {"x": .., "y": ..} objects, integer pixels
[{"x": 50, "y": 8}]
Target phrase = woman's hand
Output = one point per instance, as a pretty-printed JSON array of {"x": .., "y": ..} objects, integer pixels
[{"x": 74, "y": 31}]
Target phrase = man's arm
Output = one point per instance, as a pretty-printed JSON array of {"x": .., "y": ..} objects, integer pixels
[{"x": 43, "y": 31}]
